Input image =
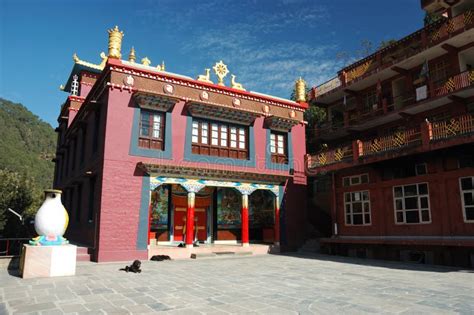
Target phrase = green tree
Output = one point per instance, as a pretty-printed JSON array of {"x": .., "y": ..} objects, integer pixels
[
  {"x": 431, "y": 18},
  {"x": 19, "y": 194}
]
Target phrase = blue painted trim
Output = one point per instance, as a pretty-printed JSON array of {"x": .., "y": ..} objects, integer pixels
[
  {"x": 159, "y": 154},
  {"x": 189, "y": 156},
  {"x": 268, "y": 155},
  {"x": 142, "y": 234}
]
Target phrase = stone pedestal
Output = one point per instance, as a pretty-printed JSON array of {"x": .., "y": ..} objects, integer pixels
[{"x": 48, "y": 261}]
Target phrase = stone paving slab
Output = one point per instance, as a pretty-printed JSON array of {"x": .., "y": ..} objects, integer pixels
[{"x": 271, "y": 284}]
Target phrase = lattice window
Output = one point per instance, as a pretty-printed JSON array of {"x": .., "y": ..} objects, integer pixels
[
  {"x": 278, "y": 147},
  {"x": 357, "y": 207},
  {"x": 467, "y": 196},
  {"x": 411, "y": 203},
  {"x": 151, "y": 130},
  {"x": 355, "y": 180}
]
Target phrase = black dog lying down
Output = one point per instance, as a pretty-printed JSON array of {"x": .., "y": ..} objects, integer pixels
[
  {"x": 134, "y": 267},
  {"x": 160, "y": 257}
]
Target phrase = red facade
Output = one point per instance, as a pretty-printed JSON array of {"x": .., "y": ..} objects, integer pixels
[{"x": 393, "y": 168}]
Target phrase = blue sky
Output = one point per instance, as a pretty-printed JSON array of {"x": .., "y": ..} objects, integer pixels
[{"x": 266, "y": 44}]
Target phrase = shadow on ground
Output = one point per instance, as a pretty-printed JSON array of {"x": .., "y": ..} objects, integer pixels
[{"x": 377, "y": 263}]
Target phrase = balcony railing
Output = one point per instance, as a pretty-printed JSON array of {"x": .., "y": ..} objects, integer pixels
[
  {"x": 411, "y": 45},
  {"x": 331, "y": 156},
  {"x": 422, "y": 136},
  {"x": 454, "y": 127},
  {"x": 390, "y": 142},
  {"x": 451, "y": 84}
]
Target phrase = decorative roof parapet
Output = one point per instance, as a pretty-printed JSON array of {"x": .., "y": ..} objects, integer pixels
[{"x": 100, "y": 66}]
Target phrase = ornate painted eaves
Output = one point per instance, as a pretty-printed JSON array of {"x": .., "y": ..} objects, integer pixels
[
  {"x": 210, "y": 174},
  {"x": 280, "y": 123},
  {"x": 222, "y": 113},
  {"x": 155, "y": 101}
]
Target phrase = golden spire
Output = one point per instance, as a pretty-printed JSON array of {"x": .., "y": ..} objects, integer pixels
[
  {"x": 300, "y": 90},
  {"x": 115, "y": 43},
  {"x": 131, "y": 56},
  {"x": 146, "y": 61},
  {"x": 163, "y": 68}
]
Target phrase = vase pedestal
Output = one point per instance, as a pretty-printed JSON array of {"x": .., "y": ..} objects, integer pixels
[{"x": 48, "y": 261}]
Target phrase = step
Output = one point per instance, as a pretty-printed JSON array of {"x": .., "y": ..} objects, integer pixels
[{"x": 83, "y": 257}]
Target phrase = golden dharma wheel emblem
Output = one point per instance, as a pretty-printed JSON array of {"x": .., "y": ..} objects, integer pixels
[
  {"x": 204, "y": 96},
  {"x": 236, "y": 102},
  {"x": 168, "y": 89},
  {"x": 220, "y": 69}
]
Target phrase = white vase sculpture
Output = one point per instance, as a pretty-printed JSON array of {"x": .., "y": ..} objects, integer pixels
[{"x": 51, "y": 220}]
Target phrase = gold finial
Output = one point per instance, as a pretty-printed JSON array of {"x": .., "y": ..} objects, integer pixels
[
  {"x": 300, "y": 90},
  {"x": 205, "y": 77},
  {"x": 115, "y": 42},
  {"x": 100, "y": 66},
  {"x": 75, "y": 58},
  {"x": 220, "y": 69},
  {"x": 146, "y": 61},
  {"x": 236, "y": 85},
  {"x": 131, "y": 55},
  {"x": 61, "y": 87},
  {"x": 163, "y": 68}
]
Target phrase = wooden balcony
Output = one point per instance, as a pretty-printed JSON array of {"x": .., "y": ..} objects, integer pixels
[
  {"x": 387, "y": 57},
  {"x": 398, "y": 104},
  {"x": 426, "y": 137}
]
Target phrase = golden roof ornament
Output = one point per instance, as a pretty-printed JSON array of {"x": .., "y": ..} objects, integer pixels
[
  {"x": 205, "y": 77},
  {"x": 235, "y": 85},
  {"x": 300, "y": 90},
  {"x": 220, "y": 69},
  {"x": 131, "y": 55},
  {"x": 161, "y": 67},
  {"x": 115, "y": 43},
  {"x": 100, "y": 66},
  {"x": 146, "y": 61}
]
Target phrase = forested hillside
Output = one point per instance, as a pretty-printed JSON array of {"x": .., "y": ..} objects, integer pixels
[{"x": 27, "y": 144}]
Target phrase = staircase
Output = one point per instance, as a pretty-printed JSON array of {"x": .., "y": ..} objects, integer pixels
[
  {"x": 83, "y": 253},
  {"x": 310, "y": 246}
]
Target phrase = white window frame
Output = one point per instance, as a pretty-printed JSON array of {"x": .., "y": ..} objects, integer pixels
[
  {"x": 350, "y": 204},
  {"x": 404, "y": 210},
  {"x": 461, "y": 191},
  {"x": 356, "y": 176}
]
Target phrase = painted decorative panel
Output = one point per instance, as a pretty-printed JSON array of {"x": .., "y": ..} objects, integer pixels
[
  {"x": 159, "y": 208},
  {"x": 229, "y": 206}
]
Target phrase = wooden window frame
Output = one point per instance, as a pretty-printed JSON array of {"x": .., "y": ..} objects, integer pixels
[
  {"x": 350, "y": 178},
  {"x": 463, "y": 201},
  {"x": 149, "y": 141},
  {"x": 223, "y": 147},
  {"x": 279, "y": 158},
  {"x": 350, "y": 214},
  {"x": 420, "y": 210}
]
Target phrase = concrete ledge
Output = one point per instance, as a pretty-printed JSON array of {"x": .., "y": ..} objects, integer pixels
[
  {"x": 202, "y": 255},
  {"x": 48, "y": 261}
]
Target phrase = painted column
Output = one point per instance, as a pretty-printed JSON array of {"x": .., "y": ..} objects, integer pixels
[
  {"x": 277, "y": 220},
  {"x": 245, "y": 220},
  {"x": 190, "y": 220}
]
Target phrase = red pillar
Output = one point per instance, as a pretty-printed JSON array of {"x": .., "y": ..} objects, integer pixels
[
  {"x": 245, "y": 220},
  {"x": 190, "y": 220},
  {"x": 277, "y": 220}
]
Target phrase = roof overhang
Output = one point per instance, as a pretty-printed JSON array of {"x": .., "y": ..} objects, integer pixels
[
  {"x": 280, "y": 123},
  {"x": 221, "y": 112},
  {"x": 212, "y": 174},
  {"x": 155, "y": 101}
]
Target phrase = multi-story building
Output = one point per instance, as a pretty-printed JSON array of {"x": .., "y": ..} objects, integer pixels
[
  {"x": 395, "y": 170},
  {"x": 146, "y": 156}
]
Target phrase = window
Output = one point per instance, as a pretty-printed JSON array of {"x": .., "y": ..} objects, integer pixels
[
  {"x": 370, "y": 100},
  {"x": 95, "y": 140},
  {"x": 411, "y": 203},
  {"x": 278, "y": 148},
  {"x": 357, "y": 207},
  {"x": 151, "y": 130},
  {"x": 439, "y": 73},
  {"x": 225, "y": 140},
  {"x": 467, "y": 196},
  {"x": 420, "y": 169},
  {"x": 83, "y": 145},
  {"x": 355, "y": 180}
]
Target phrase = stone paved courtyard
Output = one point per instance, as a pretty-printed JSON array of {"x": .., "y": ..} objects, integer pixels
[{"x": 264, "y": 284}]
